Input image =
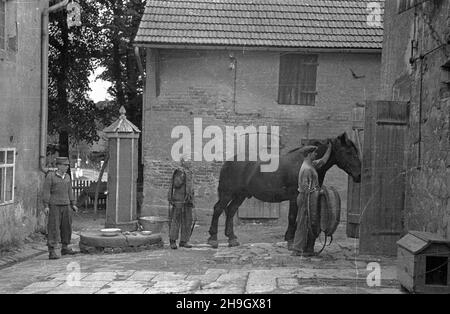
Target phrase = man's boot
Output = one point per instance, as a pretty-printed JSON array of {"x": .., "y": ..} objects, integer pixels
[
  {"x": 67, "y": 251},
  {"x": 52, "y": 254},
  {"x": 185, "y": 244},
  {"x": 173, "y": 244}
]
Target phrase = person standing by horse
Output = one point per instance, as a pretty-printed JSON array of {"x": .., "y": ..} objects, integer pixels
[
  {"x": 181, "y": 203},
  {"x": 58, "y": 201},
  {"x": 308, "y": 216}
]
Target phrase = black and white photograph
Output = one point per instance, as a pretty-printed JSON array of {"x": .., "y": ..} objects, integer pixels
[{"x": 224, "y": 152}]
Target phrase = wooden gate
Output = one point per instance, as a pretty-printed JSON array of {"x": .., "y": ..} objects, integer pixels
[
  {"x": 78, "y": 186},
  {"x": 383, "y": 176},
  {"x": 354, "y": 189}
]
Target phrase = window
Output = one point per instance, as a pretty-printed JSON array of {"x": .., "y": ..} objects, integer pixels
[
  {"x": 2, "y": 24},
  {"x": 7, "y": 162},
  {"x": 297, "y": 84}
]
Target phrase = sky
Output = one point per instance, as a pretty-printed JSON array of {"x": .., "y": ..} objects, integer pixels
[{"x": 99, "y": 88}]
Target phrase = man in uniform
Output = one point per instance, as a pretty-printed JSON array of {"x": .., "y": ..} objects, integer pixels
[
  {"x": 181, "y": 202},
  {"x": 308, "y": 217},
  {"x": 58, "y": 202}
]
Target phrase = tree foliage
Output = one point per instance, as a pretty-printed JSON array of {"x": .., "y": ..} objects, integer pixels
[
  {"x": 104, "y": 39},
  {"x": 121, "y": 20}
]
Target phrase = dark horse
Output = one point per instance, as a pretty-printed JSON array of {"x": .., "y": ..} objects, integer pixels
[{"x": 240, "y": 180}]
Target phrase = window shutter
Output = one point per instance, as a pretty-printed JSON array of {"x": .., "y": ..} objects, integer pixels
[
  {"x": 288, "y": 79},
  {"x": 298, "y": 75},
  {"x": 308, "y": 88}
]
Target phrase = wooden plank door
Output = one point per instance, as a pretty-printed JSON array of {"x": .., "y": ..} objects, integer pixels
[
  {"x": 256, "y": 209},
  {"x": 354, "y": 189},
  {"x": 383, "y": 182}
]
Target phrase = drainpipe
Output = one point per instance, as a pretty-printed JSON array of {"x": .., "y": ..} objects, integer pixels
[
  {"x": 139, "y": 61},
  {"x": 44, "y": 81}
]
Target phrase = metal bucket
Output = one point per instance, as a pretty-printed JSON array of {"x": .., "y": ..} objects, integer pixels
[{"x": 153, "y": 223}]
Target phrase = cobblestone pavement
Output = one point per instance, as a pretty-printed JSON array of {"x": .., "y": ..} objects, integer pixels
[
  {"x": 262, "y": 264},
  {"x": 251, "y": 268}
]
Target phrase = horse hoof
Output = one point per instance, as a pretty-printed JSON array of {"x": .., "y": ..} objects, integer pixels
[
  {"x": 233, "y": 243},
  {"x": 213, "y": 243}
]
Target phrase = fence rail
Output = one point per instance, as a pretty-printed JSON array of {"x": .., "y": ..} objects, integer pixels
[{"x": 77, "y": 188}]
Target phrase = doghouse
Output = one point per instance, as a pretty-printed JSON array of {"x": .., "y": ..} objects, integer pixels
[{"x": 423, "y": 263}]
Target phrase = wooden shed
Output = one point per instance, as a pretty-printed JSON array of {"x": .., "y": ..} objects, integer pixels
[{"x": 423, "y": 263}]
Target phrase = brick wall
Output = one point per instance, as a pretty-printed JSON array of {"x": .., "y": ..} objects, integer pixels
[
  {"x": 428, "y": 205},
  {"x": 20, "y": 72},
  {"x": 201, "y": 84}
]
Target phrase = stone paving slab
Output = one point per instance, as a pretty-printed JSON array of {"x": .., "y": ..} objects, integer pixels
[
  {"x": 45, "y": 284},
  {"x": 169, "y": 276},
  {"x": 122, "y": 290},
  {"x": 234, "y": 281},
  {"x": 210, "y": 276},
  {"x": 75, "y": 290},
  {"x": 344, "y": 290},
  {"x": 129, "y": 284},
  {"x": 34, "y": 291},
  {"x": 83, "y": 284},
  {"x": 173, "y": 286},
  {"x": 101, "y": 276},
  {"x": 26, "y": 254},
  {"x": 287, "y": 283},
  {"x": 143, "y": 275},
  {"x": 64, "y": 276},
  {"x": 249, "y": 268},
  {"x": 212, "y": 289},
  {"x": 261, "y": 281}
]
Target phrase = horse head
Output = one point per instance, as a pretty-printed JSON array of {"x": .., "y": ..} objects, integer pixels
[{"x": 346, "y": 156}]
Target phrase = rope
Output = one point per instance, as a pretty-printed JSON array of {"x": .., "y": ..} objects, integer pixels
[{"x": 324, "y": 245}]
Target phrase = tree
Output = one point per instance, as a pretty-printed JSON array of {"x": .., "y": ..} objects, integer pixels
[
  {"x": 104, "y": 39},
  {"x": 121, "y": 20},
  {"x": 73, "y": 55}
]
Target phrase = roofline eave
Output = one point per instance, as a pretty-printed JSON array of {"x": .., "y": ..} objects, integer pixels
[{"x": 255, "y": 48}]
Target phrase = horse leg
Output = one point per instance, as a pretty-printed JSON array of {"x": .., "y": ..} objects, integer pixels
[
  {"x": 218, "y": 209},
  {"x": 292, "y": 223},
  {"x": 230, "y": 211}
]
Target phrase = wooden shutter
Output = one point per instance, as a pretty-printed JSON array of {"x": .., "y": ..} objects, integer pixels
[
  {"x": 288, "y": 79},
  {"x": 297, "y": 82},
  {"x": 308, "y": 84},
  {"x": 256, "y": 209},
  {"x": 383, "y": 183}
]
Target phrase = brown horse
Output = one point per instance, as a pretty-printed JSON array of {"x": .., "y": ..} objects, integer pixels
[{"x": 240, "y": 180}]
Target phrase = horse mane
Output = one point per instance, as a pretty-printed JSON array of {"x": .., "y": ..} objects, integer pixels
[
  {"x": 320, "y": 143},
  {"x": 294, "y": 150},
  {"x": 312, "y": 142}
]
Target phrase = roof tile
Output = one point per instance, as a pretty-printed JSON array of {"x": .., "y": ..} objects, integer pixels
[{"x": 287, "y": 23}]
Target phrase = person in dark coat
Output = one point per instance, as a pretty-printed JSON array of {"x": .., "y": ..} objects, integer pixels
[
  {"x": 181, "y": 203},
  {"x": 58, "y": 202}
]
